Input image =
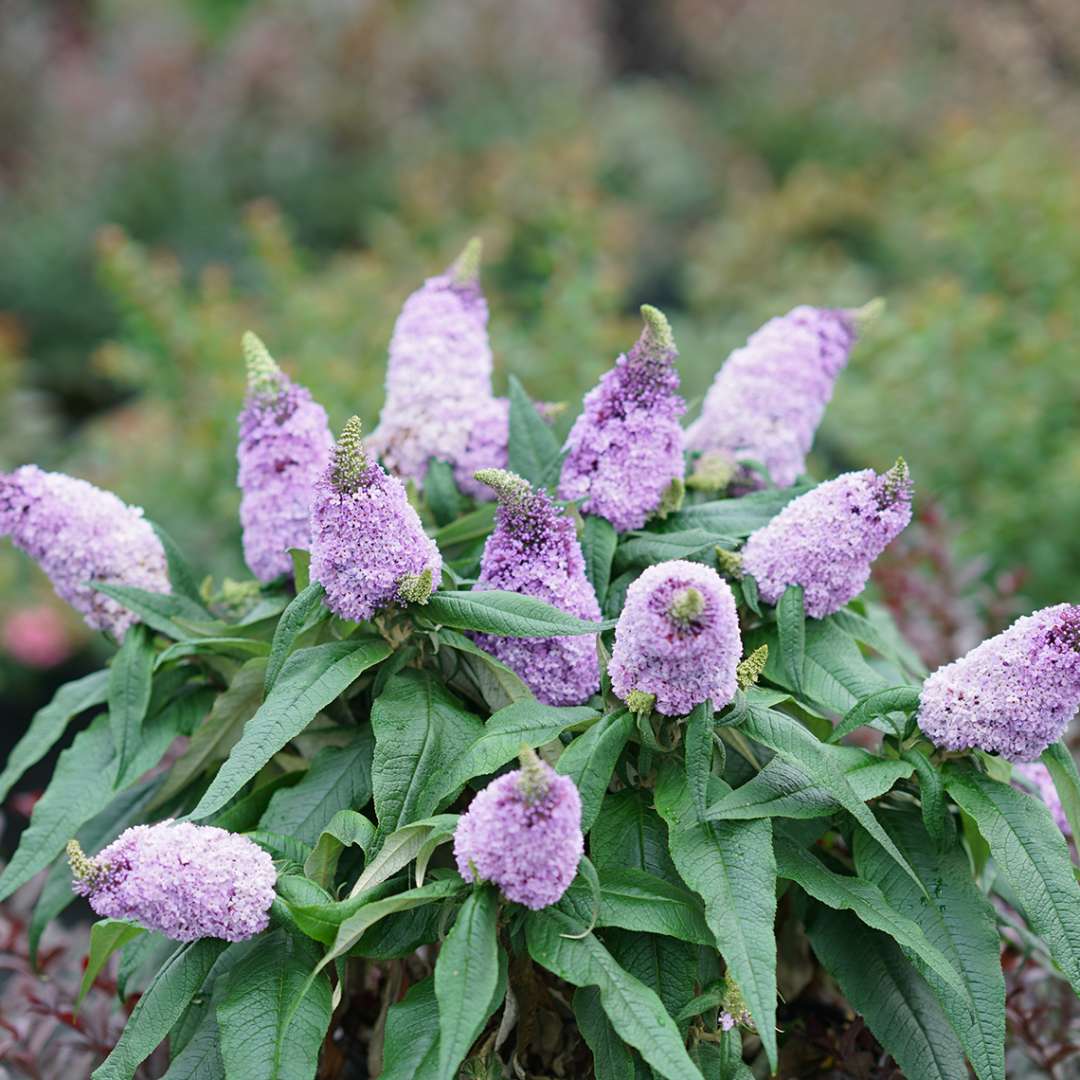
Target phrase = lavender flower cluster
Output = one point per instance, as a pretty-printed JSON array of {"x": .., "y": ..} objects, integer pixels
[
  {"x": 625, "y": 449},
  {"x": 827, "y": 539},
  {"x": 284, "y": 446},
  {"x": 79, "y": 534},
  {"x": 767, "y": 400},
  {"x": 184, "y": 881},
  {"x": 523, "y": 832},
  {"x": 534, "y": 550},
  {"x": 368, "y": 547},
  {"x": 439, "y": 402},
  {"x": 1012, "y": 695},
  {"x": 677, "y": 640}
]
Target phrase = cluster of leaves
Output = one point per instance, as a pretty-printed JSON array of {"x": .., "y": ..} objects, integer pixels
[{"x": 347, "y": 751}]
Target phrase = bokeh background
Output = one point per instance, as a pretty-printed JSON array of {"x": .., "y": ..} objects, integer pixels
[{"x": 176, "y": 172}]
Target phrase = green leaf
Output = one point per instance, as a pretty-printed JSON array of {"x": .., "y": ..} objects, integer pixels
[
  {"x": 411, "y": 1045},
  {"x": 637, "y": 900},
  {"x": 866, "y": 900},
  {"x": 493, "y": 611},
  {"x": 959, "y": 921},
  {"x": 339, "y": 779},
  {"x": 472, "y": 526},
  {"x": 181, "y": 577},
  {"x": 158, "y": 610},
  {"x": 819, "y": 761},
  {"x": 293, "y": 620},
  {"x": 835, "y": 674},
  {"x": 635, "y": 1012},
  {"x": 82, "y": 786},
  {"x": 783, "y": 789},
  {"x": 628, "y": 832},
  {"x": 493, "y": 678},
  {"x": 533, "y": 448},
  {"x": 722, "y": 1060},
  {"x": 895, "y": 1001},
  {"x": 1062, "y": 768},
  {"x": 106, "y": 936},
  {"x": 903, "y": 699},
  {"x": 598, "y": 543},
  {"x": 612, "y": 1058},
  {"x": 935, "y": 813},
  {"x": 309, "y": 681},
  {"x": 50, "y": 722},
  {"x": 699, "y": 755},
  {"x": 345, "y": 829},
  {"x": 211, "y": 646},
  {"x": 643, "y": 549},
  {"x": 129, "y": 693},
  {"x": 791, "y": 631},
  {"x": 441, "y": 492},
  {"x": 399, "y": 849},
  {"x": 420, "y": 732},
  {"x": 262, "y": 1036},
  {"x": 352, "y": 929},
  {"x": 878, "y": 630},
  {"x": 528, "y": 723},
  {"x": 200, "y": 1058},
  {"x": 735, "y": 517},
  {"x": 466, "y": 975},
  {"x": 590, "y": 760},
  {"x": 160, "y": 1007},
  {"x": 731, "y": 866},
  {"x": 220, "y": 731},
  {"x": 1032, "y": 856},
  {"x": 126, "y": 808}
]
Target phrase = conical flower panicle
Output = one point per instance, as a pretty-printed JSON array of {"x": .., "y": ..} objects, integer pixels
[
  {"x": 368, "y": 548},
  {"x": 523, "y": 833},
  {"x": 625, "y": 449},
  {"x": 827, "y": 539},
  {"x": 534, "y": 551},
  {"x": 79, "y": 534},
  {"x": 284, "y": 447},
  {"x": 767, "y": 400},
  {"x": 1012, "y": 695},
  {"x": 677, "y": 639},
  {"x": 182, "y": 880},
  {"x": 439, "y": 402}
]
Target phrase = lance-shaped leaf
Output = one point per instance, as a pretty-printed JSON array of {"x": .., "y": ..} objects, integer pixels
[
  {"x": 309, "y": 681},
  {"x": 903, "y": 699},
  {"x": 129, "y": 694},
  {"x": 590, "y": 760},
  {"x": 508, "y": 614}
]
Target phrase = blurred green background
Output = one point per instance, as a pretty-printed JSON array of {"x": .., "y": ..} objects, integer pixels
[{"x": 174, "y": 173}]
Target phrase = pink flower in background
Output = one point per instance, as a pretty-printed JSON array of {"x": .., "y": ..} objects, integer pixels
[{"x": 36, "y": 636}]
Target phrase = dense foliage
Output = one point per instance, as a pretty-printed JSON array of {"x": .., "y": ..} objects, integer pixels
[{"x": 726, "y": 755}]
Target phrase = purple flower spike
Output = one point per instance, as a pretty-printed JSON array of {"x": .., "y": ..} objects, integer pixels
[
  {"x": 1036, "y": 778},
  {"x": 827, "y": 539},
  {"x": 1012, "y": 695},
  {"x": 184, "y": 881},
  {"x": 767, "y": 400},
  {"x": 368, "y": 548},
  {"x": 625, "y": 459},
  {"x": 677, "y": 641},
  {"x": 79, "y": 534},
  {"x": 438, "y": 383},
  {"x": 523, "y": 832},
  {"x": 284, "y": 447},
  {"x": 534, "y": 550}
]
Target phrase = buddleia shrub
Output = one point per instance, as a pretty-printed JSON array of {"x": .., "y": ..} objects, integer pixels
[{"x": 515, "y": 755}]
